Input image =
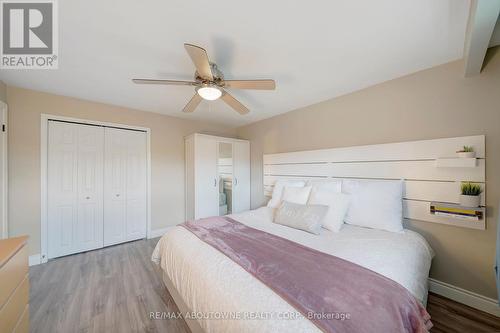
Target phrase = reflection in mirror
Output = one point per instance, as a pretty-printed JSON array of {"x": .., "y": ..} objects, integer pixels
[{"x": 225, "y": 170}]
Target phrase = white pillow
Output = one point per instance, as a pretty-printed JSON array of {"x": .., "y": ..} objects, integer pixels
[
  {"x": 375, "y": 204},
  {"x": 278, "y": 191},
  {"x": 297, "y": 195},
  {"x": 302, "y": 217},
  {"x": 330, "y": 185},
  {"x": 338, "y": 204}
]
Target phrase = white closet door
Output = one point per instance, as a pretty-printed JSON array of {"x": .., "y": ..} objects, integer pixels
[
  {"x": 241, "y": 177},
  {"x": 125, "y": 186},
  {"x": 136, "y": 184},
  {"x": 114, "y": 187},
  {"x": 207, "y": 184},
  {"x": 75, "y": 177}
]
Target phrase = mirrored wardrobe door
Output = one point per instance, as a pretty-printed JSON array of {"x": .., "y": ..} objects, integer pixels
[{"x": 225, "y": 175}]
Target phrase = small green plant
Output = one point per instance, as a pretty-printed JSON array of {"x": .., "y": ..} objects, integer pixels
[
  {"x": 469, "y": 188},
  {"x": 466, "y": 149}
]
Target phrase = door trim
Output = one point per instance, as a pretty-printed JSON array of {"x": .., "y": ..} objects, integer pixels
[
  {"x": 4, "y": 223},
  {"x": 44, "y": 167}
]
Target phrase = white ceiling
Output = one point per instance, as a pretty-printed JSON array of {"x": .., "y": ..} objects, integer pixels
[{"x": 315, "y": 50}]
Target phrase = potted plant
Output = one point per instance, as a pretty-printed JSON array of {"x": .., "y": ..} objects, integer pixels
[
  {"x": 470, "y": 194},
  {"x": 466, "y": 152}
]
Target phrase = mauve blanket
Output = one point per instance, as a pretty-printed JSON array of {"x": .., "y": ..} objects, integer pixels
[{"x": 335, "y": 294}]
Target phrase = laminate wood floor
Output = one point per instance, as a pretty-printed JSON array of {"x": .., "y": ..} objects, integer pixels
[
  {"x": 116, "y": 288},
  {"x": 448, "y": 316},
  {"x": 108, "y": 290}
]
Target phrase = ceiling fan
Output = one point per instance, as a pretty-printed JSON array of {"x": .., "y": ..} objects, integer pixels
[{"x": 210, "y": 84}]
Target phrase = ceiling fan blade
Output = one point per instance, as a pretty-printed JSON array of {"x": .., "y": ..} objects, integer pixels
[
  {"x": 171, "y": 82},
  {"x": 200, "y": 59},
  {"x": 250, "y": 84},
  {"x": 234, "y": 103},
  {"x": 192, "y": 104}
]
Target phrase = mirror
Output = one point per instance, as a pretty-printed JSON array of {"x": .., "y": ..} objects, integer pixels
[{"x": 225, "y": 171}]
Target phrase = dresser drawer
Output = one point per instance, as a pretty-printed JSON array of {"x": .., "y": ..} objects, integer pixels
[
  {"x": 13, "y": 309},
  {"x": 23, "y": 325},
  {"x": 12, "y": 273}
]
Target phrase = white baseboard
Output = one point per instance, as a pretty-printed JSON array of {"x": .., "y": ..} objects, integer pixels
[
  {"x": 34, "y": 259},
  {"x": 159, "y": 232},
  {"x": 466, "y": 297}
]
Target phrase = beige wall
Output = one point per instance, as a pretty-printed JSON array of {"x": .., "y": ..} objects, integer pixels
[
  {"x": 3, "y": 92},
  {"x": 167, "y": 154},
  {"x": 434, "y": 103}
]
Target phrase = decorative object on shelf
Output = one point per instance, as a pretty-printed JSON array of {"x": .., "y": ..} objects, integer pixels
[
  {"x": 457, "y": 211},
  {"x": 466, "y": 152},
  {"x": 470, "y": 194}
]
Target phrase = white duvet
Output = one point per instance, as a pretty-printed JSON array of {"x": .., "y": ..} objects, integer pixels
[{"x": 213, "y": 285}]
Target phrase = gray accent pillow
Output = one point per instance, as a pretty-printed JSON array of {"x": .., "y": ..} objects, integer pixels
[{"x": 302, "y": 217}]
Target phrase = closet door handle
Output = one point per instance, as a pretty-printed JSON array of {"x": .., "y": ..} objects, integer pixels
[
  {"x": 117, "y": 195},
  {"x": 215, "y": 182},
  {"x": 88, "y": 198},
  {"x": 235, "y": 181}
]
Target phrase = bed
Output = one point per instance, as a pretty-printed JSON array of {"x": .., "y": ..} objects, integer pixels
[{"x": 202, "y": 280}]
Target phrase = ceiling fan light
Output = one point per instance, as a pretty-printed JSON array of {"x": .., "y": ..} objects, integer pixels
[{"x": 209, "y": 93}]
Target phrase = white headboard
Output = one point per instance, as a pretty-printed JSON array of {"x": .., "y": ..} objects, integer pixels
[{"x": 416, "y": 162}]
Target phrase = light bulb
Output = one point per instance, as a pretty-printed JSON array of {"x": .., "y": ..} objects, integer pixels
[{"x": 209, "y": 93}]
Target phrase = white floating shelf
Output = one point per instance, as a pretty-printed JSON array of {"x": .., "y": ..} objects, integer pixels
[
  {"x": 468, "y": 217},
  {"x": 456, "y": 162}
]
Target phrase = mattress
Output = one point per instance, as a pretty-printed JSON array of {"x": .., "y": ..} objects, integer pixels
[{"x": 213, "y": 285}]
